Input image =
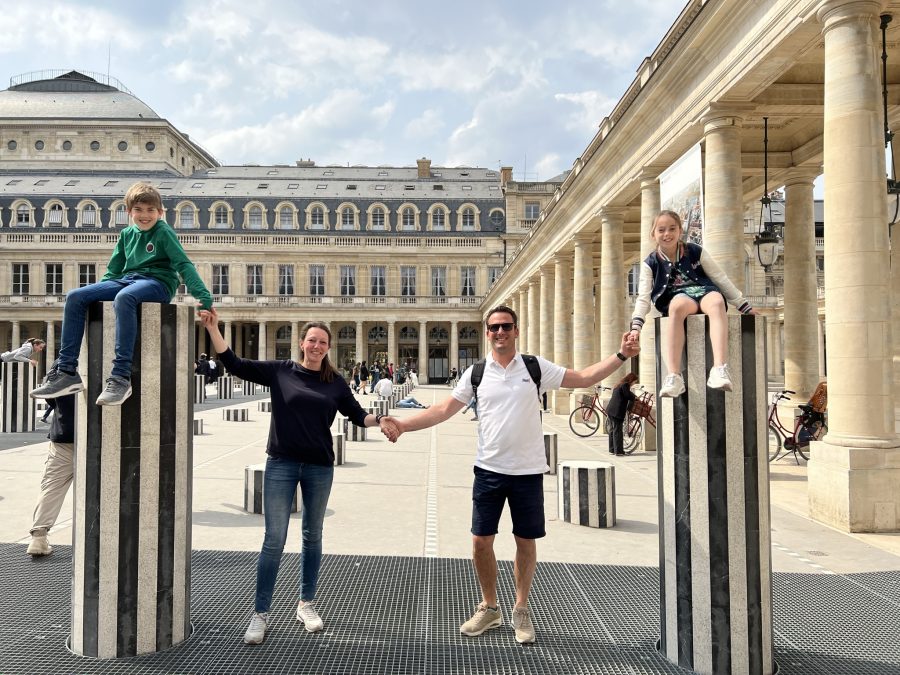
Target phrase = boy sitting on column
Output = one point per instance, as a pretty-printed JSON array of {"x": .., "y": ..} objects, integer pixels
[{"x": 145, "y": 267}]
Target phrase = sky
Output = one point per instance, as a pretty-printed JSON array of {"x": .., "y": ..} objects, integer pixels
[{"x": 377, "y": 82}]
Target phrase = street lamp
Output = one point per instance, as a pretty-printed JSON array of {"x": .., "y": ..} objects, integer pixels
[{"x": 766, "y": 240}]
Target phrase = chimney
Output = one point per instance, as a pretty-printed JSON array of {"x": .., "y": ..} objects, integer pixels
[
  {"x": 505, "y": 175},
  {"x": 424, "y": 167},
  {"x": 306, "y": 163}
]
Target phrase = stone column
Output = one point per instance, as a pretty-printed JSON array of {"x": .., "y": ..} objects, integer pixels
[
  {"x": 723, "y": 195},
  {"x": 524, "y": 319},
  {"x": 801, "y": 314},
  {"x": 16, "y": 334},
  {"x": 131, "y": 539},
  {"x": 17, "y": 409},
  {"x": 546, "y": 313},
  {"x": 50, "y": 349},
  {"x": 562, "y": 324},
  {"x": 895, "y": 305},
  {"x": 423, "y": 352},
  {"x": 261, "y": 341},
  {"x": 454, "y": 345},
  {"x": 612, "y": 295},
  {"x": 228, "y": 336},
  {"x": 295, "y": 340},
  {"x": 650, "y": 206},
  {"x": 820, "y": 331},
  {"x": 360, "y": 342},
  {"x": 534, "y": 316},
  {"x": 582, "y": 304},
  {"x": 854, "y": 472}
]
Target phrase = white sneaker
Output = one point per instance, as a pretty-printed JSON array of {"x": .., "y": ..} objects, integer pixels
[
  {"x": 39, "y": 545},
  {"x": 673, "y": 386},
  {"x": 719, "y": 378},
  {"x": 307, "y": 615},
  {"x": 256, "y": 631}
]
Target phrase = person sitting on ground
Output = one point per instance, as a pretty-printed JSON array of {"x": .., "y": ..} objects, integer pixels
[
  {"x": 24, "y": 354},
  {"x": 473, "y": 406},
  {"x": 145, "y": 267},
  {"x": 617, "y": 411},
  {"x": 409, "y": 402},
  {"x": 384, "y": 388}
]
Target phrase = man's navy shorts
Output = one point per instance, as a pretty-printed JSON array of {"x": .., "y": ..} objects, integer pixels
[{"x": 526, "y": 503}]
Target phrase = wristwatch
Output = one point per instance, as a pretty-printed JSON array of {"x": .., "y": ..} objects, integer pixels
[
  {"x": 379, "y": 417},
  {"x": 621, "y": 356}
]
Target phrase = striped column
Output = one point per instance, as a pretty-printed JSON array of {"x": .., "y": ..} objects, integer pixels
[
  {"x": 587, "y": 493},
  {"x": 248, "y": 388},
  {"x": 264, "y": 406},
  {"x": 225, "y": 386},
  {"x": 551, "y": 451},
  {"x": 254, "y": 482},
  {"x": 357, "y": 433},
  {"x": 18, "y": 407},
  {"x": 715, "y": 555},
  {"x": 132, "y": 497},
  {"x": 340, "y": 448},
  {"x": 236, "y": 415},
  {"x": 199, "y": 389}
]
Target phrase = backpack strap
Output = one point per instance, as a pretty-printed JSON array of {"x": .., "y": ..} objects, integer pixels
[
  {"x": 534, "y": 369},
  {"x": 477, "y": 374}
]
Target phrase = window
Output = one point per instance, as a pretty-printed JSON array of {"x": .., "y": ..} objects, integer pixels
[
  {"x": 493, "y": 274},
  {"x": 321, "y": 186},
  {"x": 23, "y": 215},
  {"x": 379, "y": 186},
  {"x": 286, "y": 218},
  {"x": 317, "y": 218},
  {"x": 87, "y": 274},
  {"x": 39, "y": 145},
  {"x": 55, "y": 217},
  {"x": 12, "y": 145},
  {"x": 437, "y": 186},
  {"x": 467, "y": 278},
  {"x": 220, "y": 280},
  {"x": 196, "y": 185},
  {"x": 379, "y": 287},
  {"x": 348, "y": 222},
  {"x": 497, "y": 218},
  {"x": 409, "y": 187},
  {"x": 409, "y": 219},
  {"x": 67, "y": 145},
  {"x": 272, "y": 172},
  {"x": 382, "y": 173},
  {"x": 348, "y": 280},
  {"x": 123, "y": 146},
  {"x": 186, "y": 216},
  {"x": 438, "y": 282},
  {"x": 347, "y": 333},
  {"x": 293, "y": 186},
  {"x": 95, "y": 145},
  {"x": 89, "y": 215},
  {"x": 229, "y": 185},
  {"x": 329, "y": 172},
  {"x": 42, "y": 181},
  {"x": 255, "y": 218},
  {"x": 71, "y": 183},
  {"x": 15, "y": 181},
  {"x": 468, "y": 219},
  {"x": 351, "y": 186},
  {"x": 409, "y": 334},
  {"x": 285, "y": 280},
  {"x": 121, "y": 215},
  {"x": 262, "y": 186},
  {"x": 634, "y": 276},
  {"x": 532, "y": 210},
  {"x": 466, "y": 187},
  {"x": 408, "y": 281},
  {"x": 150, "y": 146},
  {"x": 254, "y": 279},
  {"x": 110, "y": 183},
  {"x": 378, "y": 219},
  {"x": 20, "y": 282},
  {"x": 317, "y": 279},
  {"x": 377, "y": 334},
  {"x": 54, "y": 279},
  {"x": 439, "y": 219},
  {"x": 221, "y": 216}
]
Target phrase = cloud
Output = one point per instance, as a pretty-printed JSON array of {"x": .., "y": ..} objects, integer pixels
[
  {"x": 68, "y": 30},
  {"x": 426, "y": 125},
  {"x": 591, "y": 108}
]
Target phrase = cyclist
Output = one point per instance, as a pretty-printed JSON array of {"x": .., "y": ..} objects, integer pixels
[{"x": 617, "y": 411}]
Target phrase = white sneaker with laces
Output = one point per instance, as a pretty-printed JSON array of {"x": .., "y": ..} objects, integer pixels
[
  {"x": 256, "y": 631},
  {"x": 673, "y": 386},
  {"x": 719, "y": 378},
  {"x": 39, "y": 545},
  {"x": 307, "y": 615}
]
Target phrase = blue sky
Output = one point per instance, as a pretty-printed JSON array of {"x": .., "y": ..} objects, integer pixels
[{"x": 464, "y": 83}]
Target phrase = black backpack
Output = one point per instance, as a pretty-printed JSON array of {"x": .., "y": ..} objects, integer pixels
[{"x": 531, "y": 363}]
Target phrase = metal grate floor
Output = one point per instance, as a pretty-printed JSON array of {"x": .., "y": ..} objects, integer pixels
[{"x": 402, "y": 615}]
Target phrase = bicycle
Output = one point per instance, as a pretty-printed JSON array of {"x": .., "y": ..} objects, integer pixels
[
  {"x": 810, "y": 426},
  {"x": 585, "y": 419},
  {"x": 633, "y": 430}
]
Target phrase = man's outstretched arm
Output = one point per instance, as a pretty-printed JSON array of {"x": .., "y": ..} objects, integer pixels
[{"x": 427, "y": 418}]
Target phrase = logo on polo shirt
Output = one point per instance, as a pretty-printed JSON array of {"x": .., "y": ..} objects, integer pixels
[
  {"x": 150, "y": 247},
  {"x": 526, "y": 379}
]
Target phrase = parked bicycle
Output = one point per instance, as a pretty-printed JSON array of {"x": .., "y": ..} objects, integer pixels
[
  {"x": 809, "y": 426},
  {"x": 586, "y": 418}
]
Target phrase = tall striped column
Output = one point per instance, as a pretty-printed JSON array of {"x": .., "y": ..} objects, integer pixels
[
  {"x": 714, "y": 542},
  {"x": 18, "y": 411},
  {"x": 132, "y": 525}
]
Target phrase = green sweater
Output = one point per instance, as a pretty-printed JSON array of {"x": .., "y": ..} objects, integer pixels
[{"x": 156, "y": 253}]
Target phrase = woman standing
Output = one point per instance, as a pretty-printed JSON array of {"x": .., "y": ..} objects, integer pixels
[
  {"x": 305, "y": 398},
  {"x": 617, "y": 411}
]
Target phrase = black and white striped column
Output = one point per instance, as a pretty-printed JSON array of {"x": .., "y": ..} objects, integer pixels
[
  {"x": 248, "y": 388},
  {"x": 357, "y": 433},
  {"x": 236, "y": 415},
  {"x": 264, "y": 406},
  {"x": 551, "y": 451},
  {"x": 587, "y": 492},
  {"x": 339, "y": 443},
  {"x": 225, "y": 386},
  {"x": 254, "y": 482},
  {"x": 19, "y": 379},
  {"x": 132, "y": 496},
  {"x": 199, "y": 389},
  {"x": 714, "y": 541}
]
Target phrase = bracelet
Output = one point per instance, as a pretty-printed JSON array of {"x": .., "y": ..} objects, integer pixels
[
  {"x": 621, "y": 356},
  {"x": 379, "y": 417}
]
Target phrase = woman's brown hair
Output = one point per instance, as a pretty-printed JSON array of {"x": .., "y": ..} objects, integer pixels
[
  {"x": 629, "y": 379},
  {"x": 327, "y": 373}
]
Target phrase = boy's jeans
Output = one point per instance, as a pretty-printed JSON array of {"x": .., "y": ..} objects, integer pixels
[{"x": 127, "y": 292}]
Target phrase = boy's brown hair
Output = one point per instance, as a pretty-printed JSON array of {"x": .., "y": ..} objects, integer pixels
[{"x": 143, "y": 193}]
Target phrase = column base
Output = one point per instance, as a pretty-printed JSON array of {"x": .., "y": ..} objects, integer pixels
[{"x": 854, "y": 489}]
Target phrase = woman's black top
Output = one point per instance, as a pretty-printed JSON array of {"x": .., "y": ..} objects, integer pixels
[
  {"x": 618, "y": 403},
  {"x": 303, "y": 407}
]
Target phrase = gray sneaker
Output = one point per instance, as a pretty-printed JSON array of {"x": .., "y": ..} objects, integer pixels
[
  {"x": 39, "y": 544},
  {"x": 256, "y": 631},
  {"x": 483, "y": 619},
  {"x": 56, "y": 384},
  {"x": 117, "y": 390},
  {"x": 522, "y": 624}
]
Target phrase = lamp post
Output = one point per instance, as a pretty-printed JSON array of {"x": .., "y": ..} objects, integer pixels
[{"x": 766, "y": 240}]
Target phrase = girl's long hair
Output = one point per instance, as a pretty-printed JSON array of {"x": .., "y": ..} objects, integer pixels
[
  {"x": 666, "y": 212},
  {"x": 328, "y": 372}
]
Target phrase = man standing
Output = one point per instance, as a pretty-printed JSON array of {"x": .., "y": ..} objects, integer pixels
[{"x": 510, "y": 462}]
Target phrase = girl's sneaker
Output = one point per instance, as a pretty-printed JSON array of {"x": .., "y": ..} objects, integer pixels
[
  {"x": 673, "y": 386},
  {"x": 307, "y": 615},
  {"x": 256, "y": 631},
  {"x": 719, "y": 378}
]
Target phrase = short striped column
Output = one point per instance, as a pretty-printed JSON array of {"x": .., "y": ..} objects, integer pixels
[
  {"x": 715, "y": 547},
  {"x": 248, "y": 388},
  {"x": 587, "y": 492},
  {"x": 357, "y": 433},
  {"x": 236, "y": 415},
  {"x": 131, "y": 542},
  {"x": 19, "y": 379},
  {"x": 254, "y": 482},
  {"x": 339, "y": 443},
  {"x": 199, "y": 389},
  {"x": 550, "y": 450},
  {"x": 261, "y": 389},
  {"x": 264, "y": 406},
  {"x": 225, "y": 387},
  {"x": 198, "y": 426}
]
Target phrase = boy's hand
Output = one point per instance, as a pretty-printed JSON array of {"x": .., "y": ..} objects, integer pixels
[
  {"x": 629, "y": 347},
  {"x": 209, "y": 317}
]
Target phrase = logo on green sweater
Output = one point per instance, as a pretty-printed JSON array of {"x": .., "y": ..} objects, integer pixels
[{"x": 150, "y": 247}]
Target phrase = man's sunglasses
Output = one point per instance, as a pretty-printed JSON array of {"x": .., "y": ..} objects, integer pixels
[{"x": 495, "y": 327}]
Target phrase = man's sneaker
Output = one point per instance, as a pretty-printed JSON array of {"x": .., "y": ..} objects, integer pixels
[
  {"x": 39, "y": 545},
  {"x": 673, "y": 386},
  {"x": 118, "y": 389},
  {"x": 522, "y": 624},
  {"x": 483, "y": 619},
  {"x": 56, "y": 384},
  {"x": 256, "y": 631},
  {"x": 307, "y": 615},
  {"x": 719, "y": 378}
]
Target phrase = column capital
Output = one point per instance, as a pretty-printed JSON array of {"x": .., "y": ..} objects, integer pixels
[
  {"x": 718, "y": 116},
  {"x": 649, "y": 174},
  {"x": 831, "y": 12},
  {"x": 581, "y": 239},
  {"x": 801, "y": 175},
  {"x": 562, "y": 257},
  {"x": 534, "y": 282},
  {"x": 612, "y": 213},
  {"x": 548, "y": 268}
]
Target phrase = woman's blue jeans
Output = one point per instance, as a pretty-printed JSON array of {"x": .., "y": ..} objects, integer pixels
[
  {"x": 283, "y": 477},
  {"x": 127, "y": 292}
]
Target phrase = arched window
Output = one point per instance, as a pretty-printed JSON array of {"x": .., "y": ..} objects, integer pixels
[
  {"x": 438, "y": 333},
  {"x": 286, "y": 218},
  {"x": 347, "y": 333},
  {"x": 121, "y": 217},
  {"x": 221, "y": 216},
  {"x": 88, "y": 215},
  {"x": 378, "y": 218},
  {"x": 468, "y": 333},
  {"x": 283, "y": 333},
  {"x": 55, "y": 216},
  {"x": 409, "y": 219},
  {"x": 408, "y": 334},
  {"x": 255, "y": 218},
  {"x": 348, "y": 222},
  {"x": 377, "y": 334},
  {"x": 468, "y": 219},
  {"x": 439, "y": 219},
  {"x": 186, "y": 216},
  {"x": 23, "y": 214},
  {"x": 317, "y": 218}
]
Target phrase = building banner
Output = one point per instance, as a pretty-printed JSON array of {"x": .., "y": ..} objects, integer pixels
[{"x": 681, "y": 191}]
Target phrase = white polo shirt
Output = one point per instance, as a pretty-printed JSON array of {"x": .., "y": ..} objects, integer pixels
[{"x": 510, "y": 437}]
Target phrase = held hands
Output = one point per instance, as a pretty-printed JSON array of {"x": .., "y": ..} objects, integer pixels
[
  {"x": 208, "y": 317},
  {"x": 391, "y": 427},
  {"x": 631, "y": 345}
]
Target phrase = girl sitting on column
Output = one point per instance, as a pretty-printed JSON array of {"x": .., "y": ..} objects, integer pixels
[
  {"x": 29, "y": 348},
  {"x": 682, "y": 279}
]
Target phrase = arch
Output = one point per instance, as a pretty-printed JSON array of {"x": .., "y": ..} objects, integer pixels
[
  {"x": 347, "y": 333},
  {"x": 317, "y": 217},
  {"x": 186, "y": 215},
  {"x": 378, "y": 217},
  {"x": 438, "y": 333},
  {"x": 255, "y": 217},
  {"x": 377, "y": 333},
  {"x": 408, "y": 334},
  {"x": 286, "y": 216},
  {"x": 56, "y": 214},
  {"x": 348, "y": 217},
  {"x": 438, "y": 217},
  {"x": 468, "y": 334},
  {"x": 118, "y": 214},
  {"x": 408, "y": 218},
  {"x": 88, "y": 213},
  {"x": 22, "y": 213},
  {"x": 220, "y": 215},
  {"x": 468, "y": 218},
  {"x": 283, "y": 333}
]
